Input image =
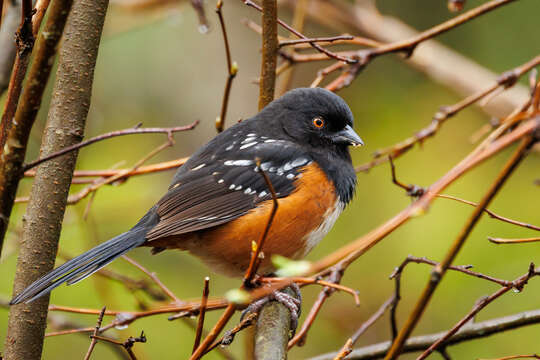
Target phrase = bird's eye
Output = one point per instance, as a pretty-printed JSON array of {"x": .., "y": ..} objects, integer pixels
[{"x": 318, "y": 122}]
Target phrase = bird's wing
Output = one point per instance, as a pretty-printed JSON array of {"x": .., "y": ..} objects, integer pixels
[{"x": 215, "y": 189}]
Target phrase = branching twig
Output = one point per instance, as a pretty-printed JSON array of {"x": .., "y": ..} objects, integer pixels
[
  {"x": 326, "y": 52},
  {"x": 134, "y": 130},
  {"x": 517, "y": 284},
  {"x": 96, "y": 332},
  {"x": 439, "y": 271},
  {"x": 505, "y": 80}
]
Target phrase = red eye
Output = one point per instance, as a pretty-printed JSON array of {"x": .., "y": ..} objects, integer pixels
[{"x": 318, "y": 122}]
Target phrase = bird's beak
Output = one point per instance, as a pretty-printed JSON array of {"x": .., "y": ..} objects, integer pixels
[{"x": 348, "y": 136}]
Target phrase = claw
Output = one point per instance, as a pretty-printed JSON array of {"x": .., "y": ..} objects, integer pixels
[{"x": 292, "y": 303}]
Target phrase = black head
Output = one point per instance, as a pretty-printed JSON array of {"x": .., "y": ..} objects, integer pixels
[{"x": 314, "y": 116}]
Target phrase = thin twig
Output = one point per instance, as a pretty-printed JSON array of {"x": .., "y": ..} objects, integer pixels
[
  {"x": 96, "y": 331},
  {"x": 257, "y": 248},
  {"x": 202, "y": 312},
  {"x": 347, "y": 348},
  {"x": 134, "y": 130},
  {"x": 154, "y": 278},
  {"x": 319, "y": 39},
  {"x": 513, "y": 241},
  {"x": 232, "y": 70},
  {"x": 300, "y": 337}
]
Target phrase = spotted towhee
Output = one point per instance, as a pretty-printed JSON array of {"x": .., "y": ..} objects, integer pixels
[{"x": 218, "y": 202}]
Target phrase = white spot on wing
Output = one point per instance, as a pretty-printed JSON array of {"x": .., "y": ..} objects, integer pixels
[
  {"x": 239, "y": 187},
  {"x": 220, "y": 181},
  {"x": 198, "y": 167},
  {"x": 290, "y": 176},
  {"x": 263, "y": 193},
  {"x": 248, "y": 145},
  {"x": 232, "y": 187},
  {"x": 238, "y": 162}
]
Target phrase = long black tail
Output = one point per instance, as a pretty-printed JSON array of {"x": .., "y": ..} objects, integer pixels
[{"x": 83, "y": 265}]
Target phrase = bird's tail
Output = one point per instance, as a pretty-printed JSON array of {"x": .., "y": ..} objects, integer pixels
[{"x": 83, "y": 265}]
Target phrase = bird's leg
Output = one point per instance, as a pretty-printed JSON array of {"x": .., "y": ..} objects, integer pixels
[{"x": 291, "y": 302}]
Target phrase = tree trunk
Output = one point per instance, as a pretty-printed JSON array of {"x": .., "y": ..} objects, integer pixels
[{"x": 45, "y": 212}]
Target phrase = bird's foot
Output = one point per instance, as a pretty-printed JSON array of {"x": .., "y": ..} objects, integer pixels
[{"x": 291, "y": 302}]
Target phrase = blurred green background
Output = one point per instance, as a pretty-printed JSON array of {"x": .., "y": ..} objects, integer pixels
[{"x": 156, "y": 68}]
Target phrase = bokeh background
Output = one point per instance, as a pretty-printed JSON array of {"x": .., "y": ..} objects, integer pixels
[{"x": 155, "y": 67}]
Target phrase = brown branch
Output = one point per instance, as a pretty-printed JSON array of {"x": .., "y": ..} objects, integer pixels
[
  {"x": 228, "y": 338},
  {"x": 472, "y": 331},
  {"x": 517, "y": 284},
  {"x": 116, "y": 133},
  {"x": 408, "y": 46},
  {"x": 505, "y": 81},
  {"x": 13, "y": 152},
  {"x": 25, "y": 43},
  {"x": 513, "y": 241},
  {"x": 462, "y": 269},
  {"x": 269, "y": 51},
  {"x": 328, "y": 39},
  {"x": 41, "y": 9},
  {"x": 232, "y": 70},
  {"x": 439, "y": 271},
  {"x": 142, "y": 170},
  {"x": 94, "y": 338},
  {"x": 202, "y": 312}
]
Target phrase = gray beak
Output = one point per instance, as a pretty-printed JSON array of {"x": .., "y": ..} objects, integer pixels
[{"x": 348, "y": 136}]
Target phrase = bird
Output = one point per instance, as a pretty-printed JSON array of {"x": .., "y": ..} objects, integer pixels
[{"x": 218, "y": 202}]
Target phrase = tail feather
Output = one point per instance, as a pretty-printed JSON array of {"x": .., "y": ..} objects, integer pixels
[{"x": 82, "y": 266}]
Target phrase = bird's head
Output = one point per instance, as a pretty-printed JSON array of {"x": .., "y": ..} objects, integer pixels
[{"x": 315, "y": 116}]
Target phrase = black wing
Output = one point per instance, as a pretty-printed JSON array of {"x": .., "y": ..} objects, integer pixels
[{"x": 213, "y": 188}]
